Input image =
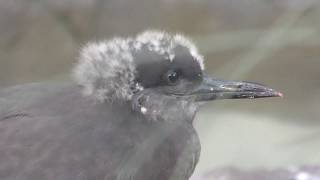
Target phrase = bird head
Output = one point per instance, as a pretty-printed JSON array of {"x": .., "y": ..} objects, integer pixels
[{"x": 155, "y": 69}]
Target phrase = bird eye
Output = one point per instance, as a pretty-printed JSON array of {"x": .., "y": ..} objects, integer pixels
[{"x": 173, "y": 77}]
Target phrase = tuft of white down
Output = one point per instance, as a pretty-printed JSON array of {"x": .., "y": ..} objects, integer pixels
[
  {"x": 106, "y": 70},
  {"x": 164, "y": 43}
]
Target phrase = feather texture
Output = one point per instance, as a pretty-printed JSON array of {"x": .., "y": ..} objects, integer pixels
[{"x": 106, "y": 70}]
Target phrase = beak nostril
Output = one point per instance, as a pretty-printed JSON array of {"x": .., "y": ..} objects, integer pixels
[
  {"x": 232, "y": 86},
  {"x": 239, "y": 86}
]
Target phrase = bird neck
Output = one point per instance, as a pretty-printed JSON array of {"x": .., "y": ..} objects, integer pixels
[{"x": 159, "y": 107}]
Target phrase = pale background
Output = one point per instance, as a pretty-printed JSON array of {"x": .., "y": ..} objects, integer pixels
[{"x": 274, "y": 42}]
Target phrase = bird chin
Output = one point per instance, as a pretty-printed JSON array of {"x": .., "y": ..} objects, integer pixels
[{"x": 159, "y": 106}]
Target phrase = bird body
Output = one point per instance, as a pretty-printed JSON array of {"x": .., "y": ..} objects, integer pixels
[
  {"x": 51, "y": 132},
  {"x": 128, "y": 116}
]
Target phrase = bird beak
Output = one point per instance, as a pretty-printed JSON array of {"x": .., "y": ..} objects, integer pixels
[{"x": 211, "y": 89}]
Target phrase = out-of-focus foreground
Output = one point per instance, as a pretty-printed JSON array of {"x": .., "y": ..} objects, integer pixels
[{"x": 273, "y": 42}]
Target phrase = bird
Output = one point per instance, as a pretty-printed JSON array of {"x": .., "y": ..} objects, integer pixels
[{"x": 127, "y": 115}]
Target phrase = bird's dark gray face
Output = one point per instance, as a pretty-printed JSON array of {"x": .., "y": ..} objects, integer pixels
[
  {"x": 178, "y": 76},
  {"x": 183, "y": 78}
]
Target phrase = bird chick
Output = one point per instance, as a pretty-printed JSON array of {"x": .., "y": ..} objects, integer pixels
[{"x": 128, "y": 116}]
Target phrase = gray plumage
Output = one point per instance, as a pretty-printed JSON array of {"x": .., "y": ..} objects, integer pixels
[{"x": 128, "y": 116}]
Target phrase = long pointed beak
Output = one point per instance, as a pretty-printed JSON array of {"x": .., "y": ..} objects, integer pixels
[{"x": 211, "y": 89}]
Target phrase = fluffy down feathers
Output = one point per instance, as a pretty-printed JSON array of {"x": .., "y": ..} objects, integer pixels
[{"x": 106, "y": 70}]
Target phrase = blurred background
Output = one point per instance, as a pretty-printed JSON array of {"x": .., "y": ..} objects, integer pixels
[{"x": 274, "y": 42}]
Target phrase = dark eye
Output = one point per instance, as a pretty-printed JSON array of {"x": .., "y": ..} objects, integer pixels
[{"x": 173, "y": 77}]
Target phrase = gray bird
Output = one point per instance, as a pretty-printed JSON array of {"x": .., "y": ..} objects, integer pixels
[{"x": 127, "y": 116}]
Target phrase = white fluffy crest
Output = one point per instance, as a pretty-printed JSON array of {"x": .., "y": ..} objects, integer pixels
[
  {"x": 164, "y": 43},
  {"x": 106, "y": 69}
]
